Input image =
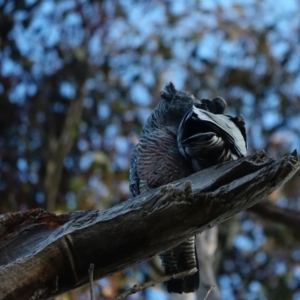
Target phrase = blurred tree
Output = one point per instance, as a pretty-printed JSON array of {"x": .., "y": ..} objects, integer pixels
[{"x": 79, "y": 78}]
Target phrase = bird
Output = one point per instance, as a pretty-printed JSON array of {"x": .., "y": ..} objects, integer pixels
[
  {"x": 165, "y": 153},
  {"x": 206, "y": 139}
]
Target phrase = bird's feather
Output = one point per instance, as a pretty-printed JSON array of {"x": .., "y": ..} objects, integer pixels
[{"x": 206, "y": 139}]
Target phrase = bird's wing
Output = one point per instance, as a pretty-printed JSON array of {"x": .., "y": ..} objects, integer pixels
[
  {"x": 206, "y": 139},
  {"x": 159, "y": 161},
  {"x": 224, "y": 126}
]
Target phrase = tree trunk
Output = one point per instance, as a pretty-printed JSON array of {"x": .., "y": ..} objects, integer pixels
[{"x": 206, "y": 245}]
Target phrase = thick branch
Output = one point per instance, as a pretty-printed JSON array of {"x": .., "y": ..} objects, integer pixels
[
  {"x": 279, "y": 215},
  {"x": 43, "y": 255}
]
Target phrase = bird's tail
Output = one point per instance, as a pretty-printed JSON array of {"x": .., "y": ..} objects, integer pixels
[{"x": 180, "y": 259}]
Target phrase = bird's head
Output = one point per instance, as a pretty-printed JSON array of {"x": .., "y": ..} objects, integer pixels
[{"x": 177, "y": 103}]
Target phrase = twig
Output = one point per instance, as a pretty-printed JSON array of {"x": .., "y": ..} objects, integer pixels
[
  {"x": 208, "y": 292},
  {"x": 137, "y": 288},
  {"x": 91, "y": 275}
]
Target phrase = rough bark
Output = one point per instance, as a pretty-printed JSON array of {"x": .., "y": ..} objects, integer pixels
[{"x": 43, "y": 255}]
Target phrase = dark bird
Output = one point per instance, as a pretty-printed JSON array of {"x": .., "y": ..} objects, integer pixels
[
  {"x": 206, "y": 139},
  {"x": 166, "y": 152}
]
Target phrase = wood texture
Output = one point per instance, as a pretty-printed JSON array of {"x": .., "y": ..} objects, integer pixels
[{"x": 43, "y": 255}]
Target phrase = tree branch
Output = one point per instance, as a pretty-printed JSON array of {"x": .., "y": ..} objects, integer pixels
[
  {"x": 147, "y": 284},
  {"x": 43, "y": 255},
  {"x": 206, "y": 245},
  {"x": 60, "y": 147},
  {"x": 269, "y": 211},
  {"x": 208, "y": 292}
]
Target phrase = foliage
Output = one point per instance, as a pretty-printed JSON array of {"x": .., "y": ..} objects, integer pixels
[{"x": 79, "y": 78}]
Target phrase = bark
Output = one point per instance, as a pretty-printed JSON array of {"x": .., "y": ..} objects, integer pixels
[{"x": 43, "y": 255}]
